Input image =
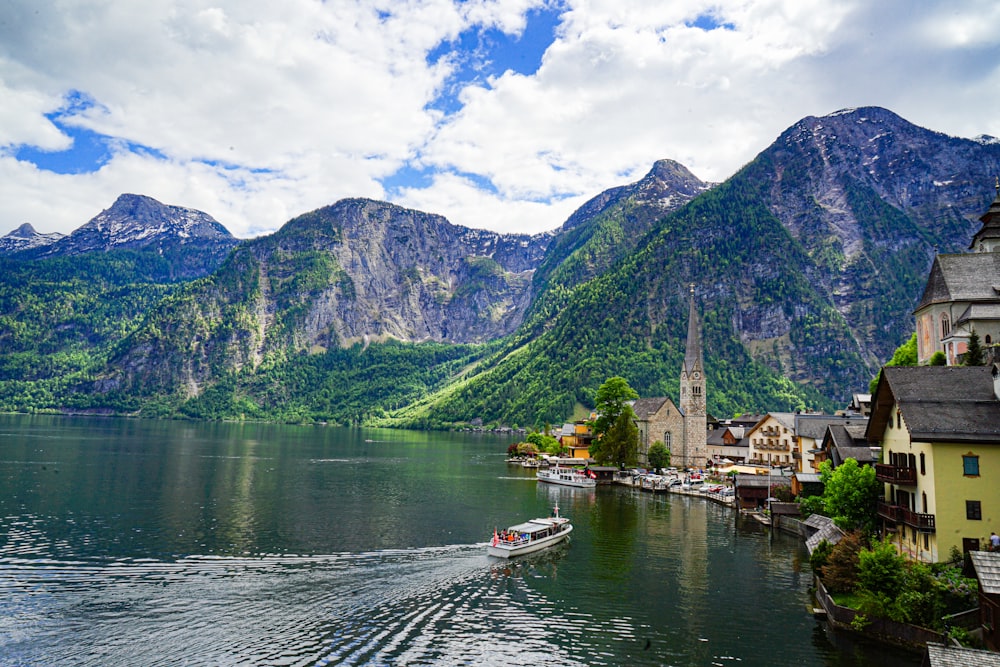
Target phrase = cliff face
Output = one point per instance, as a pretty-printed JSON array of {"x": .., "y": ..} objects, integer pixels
[
  {"x": 402, "y": 274},
  {"x": 358, "y": 271},
  {"x": 871, "y": 198}
]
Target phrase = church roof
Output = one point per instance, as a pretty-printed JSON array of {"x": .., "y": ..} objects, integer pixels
[
  {"x": 644, "y": 408},
  {"x": 973, "y": 276},
  {"x": 979, "y": 312}
]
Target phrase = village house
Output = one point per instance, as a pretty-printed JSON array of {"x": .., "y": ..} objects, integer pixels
[
  {"x": 939, "y": 430},
  {"x": 772, "y": 440},
  {"x": 728, "y": 443},
  {"x": 576, "y": 437},
  {"x": 810, "y": 430},
  {"x": 961, "y": 295},
  {"x": 847, "y": 441}
]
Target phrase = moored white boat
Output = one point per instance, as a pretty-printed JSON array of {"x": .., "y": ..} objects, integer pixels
[
  {"x": 530, "y": 536},
  {"x": 567, "y": 477}
]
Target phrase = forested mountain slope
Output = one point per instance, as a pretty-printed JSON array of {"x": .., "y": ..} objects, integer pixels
[{"x": 805, "y": 266}]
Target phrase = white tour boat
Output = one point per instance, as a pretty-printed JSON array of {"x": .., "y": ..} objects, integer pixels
[
  {"x": 567, "y": 477},
  {"x": 530, "y": 536}
]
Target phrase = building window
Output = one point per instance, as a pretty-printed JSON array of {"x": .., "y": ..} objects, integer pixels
[
  {"x": 973, "y": 510},
  {"x": 899, "y": 419},
  {"x": 970, "y": 465},
  {"x": 923, "y": 497},
  {"x": 989, "y": 340},
  {"x": 923, "y": 468},
  {"x": 945, "y": 326},
  {"x": 927, "y": 542},
  {"x": 667, "y": 439}
]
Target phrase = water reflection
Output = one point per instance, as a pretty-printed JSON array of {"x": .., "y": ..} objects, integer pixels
[{"x": 126, "y": 542}]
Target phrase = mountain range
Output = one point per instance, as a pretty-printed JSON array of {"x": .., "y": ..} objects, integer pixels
[{"x": 805, "y": 266}]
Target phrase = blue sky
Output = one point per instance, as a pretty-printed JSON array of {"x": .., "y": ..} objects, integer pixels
[{"x": 503, "y": 114}]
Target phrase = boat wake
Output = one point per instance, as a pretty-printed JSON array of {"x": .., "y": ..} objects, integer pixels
[{"x": 440, "y": 605}]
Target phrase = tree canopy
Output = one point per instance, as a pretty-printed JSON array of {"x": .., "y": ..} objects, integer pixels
[
  {"x": 658, "y": 455},
  {"x": 850, "y": 494},
  {"x": 616, "y": 437}
]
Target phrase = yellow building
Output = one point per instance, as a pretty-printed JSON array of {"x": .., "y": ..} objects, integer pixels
[{"x": 939, "y": 429}]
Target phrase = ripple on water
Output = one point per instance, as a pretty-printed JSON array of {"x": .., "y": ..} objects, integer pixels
[{"x": 449, "y": 605}]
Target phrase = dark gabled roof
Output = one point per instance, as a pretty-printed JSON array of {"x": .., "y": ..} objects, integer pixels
[
  {"x": 938, "y": 403},
  {"x": 814, "y": 426},
  {"x": 962, "y": 277},
  {"x": 715, "y": 437},
  {"x": 748, "y": 420},
  {"x": 987, "y": 565},
  {"x": 939, "y": 655},
  {"x": 847, "y": 437},
  {"x": 827, "y": 530},
  {"x": 644, "y": 408},
  {"x": 862, "y": 455},
  {"x": 761, "y": 481}
]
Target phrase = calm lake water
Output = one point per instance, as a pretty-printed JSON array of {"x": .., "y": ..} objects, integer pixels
[{"x": 128, "y": 542}]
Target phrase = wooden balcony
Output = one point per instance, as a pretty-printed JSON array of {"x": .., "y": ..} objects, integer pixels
[
  {"x": 891, "y": 474},
  {"x": 897, "y": 514}
]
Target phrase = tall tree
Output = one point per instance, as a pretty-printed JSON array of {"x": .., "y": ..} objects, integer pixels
[
  {"x": 974, "y": 352},
  {"x": 616, "y": 437},
  {"x": 850, "y": 494}
]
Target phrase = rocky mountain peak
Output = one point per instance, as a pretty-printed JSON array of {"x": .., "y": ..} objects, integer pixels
[
  {"x": 135, "y": 221},
  {"x": 26, "y": 237},
  {"x": 191, "y": 242},
  {"x": 666, "y": 187}
]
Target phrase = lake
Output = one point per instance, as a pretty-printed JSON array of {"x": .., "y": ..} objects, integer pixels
[{"x": 128, "y": 542}]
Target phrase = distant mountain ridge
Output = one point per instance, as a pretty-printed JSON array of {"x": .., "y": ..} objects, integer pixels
[
  {"x": 193, "y": 242},
  {"x": 26, "y": 238},
  {"x": 806, "y": 265}
]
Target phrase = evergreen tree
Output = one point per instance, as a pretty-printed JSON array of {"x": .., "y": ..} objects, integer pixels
[
  {"x": 616, "y": 437},
  {"x": 974, "y": 355},
  {"x": 658, "y": 455}
]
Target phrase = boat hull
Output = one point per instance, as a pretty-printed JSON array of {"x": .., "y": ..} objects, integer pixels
[
  {"x": 552, "y": 476},
  {"x": 503, "y": 551}
]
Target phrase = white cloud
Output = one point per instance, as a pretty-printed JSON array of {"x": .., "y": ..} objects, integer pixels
[{"x": 258, "y": 111}]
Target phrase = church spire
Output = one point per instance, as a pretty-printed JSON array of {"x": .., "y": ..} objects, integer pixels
[
  {"x": 693, "y": 357},
  {"x": 987, "y": 239}
]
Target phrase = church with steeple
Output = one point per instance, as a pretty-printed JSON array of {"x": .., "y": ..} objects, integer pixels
[
  {"x": 692, "y": 407},
  {"x": 683, "y": 429},
  {"x": 962, "y": 295}
]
